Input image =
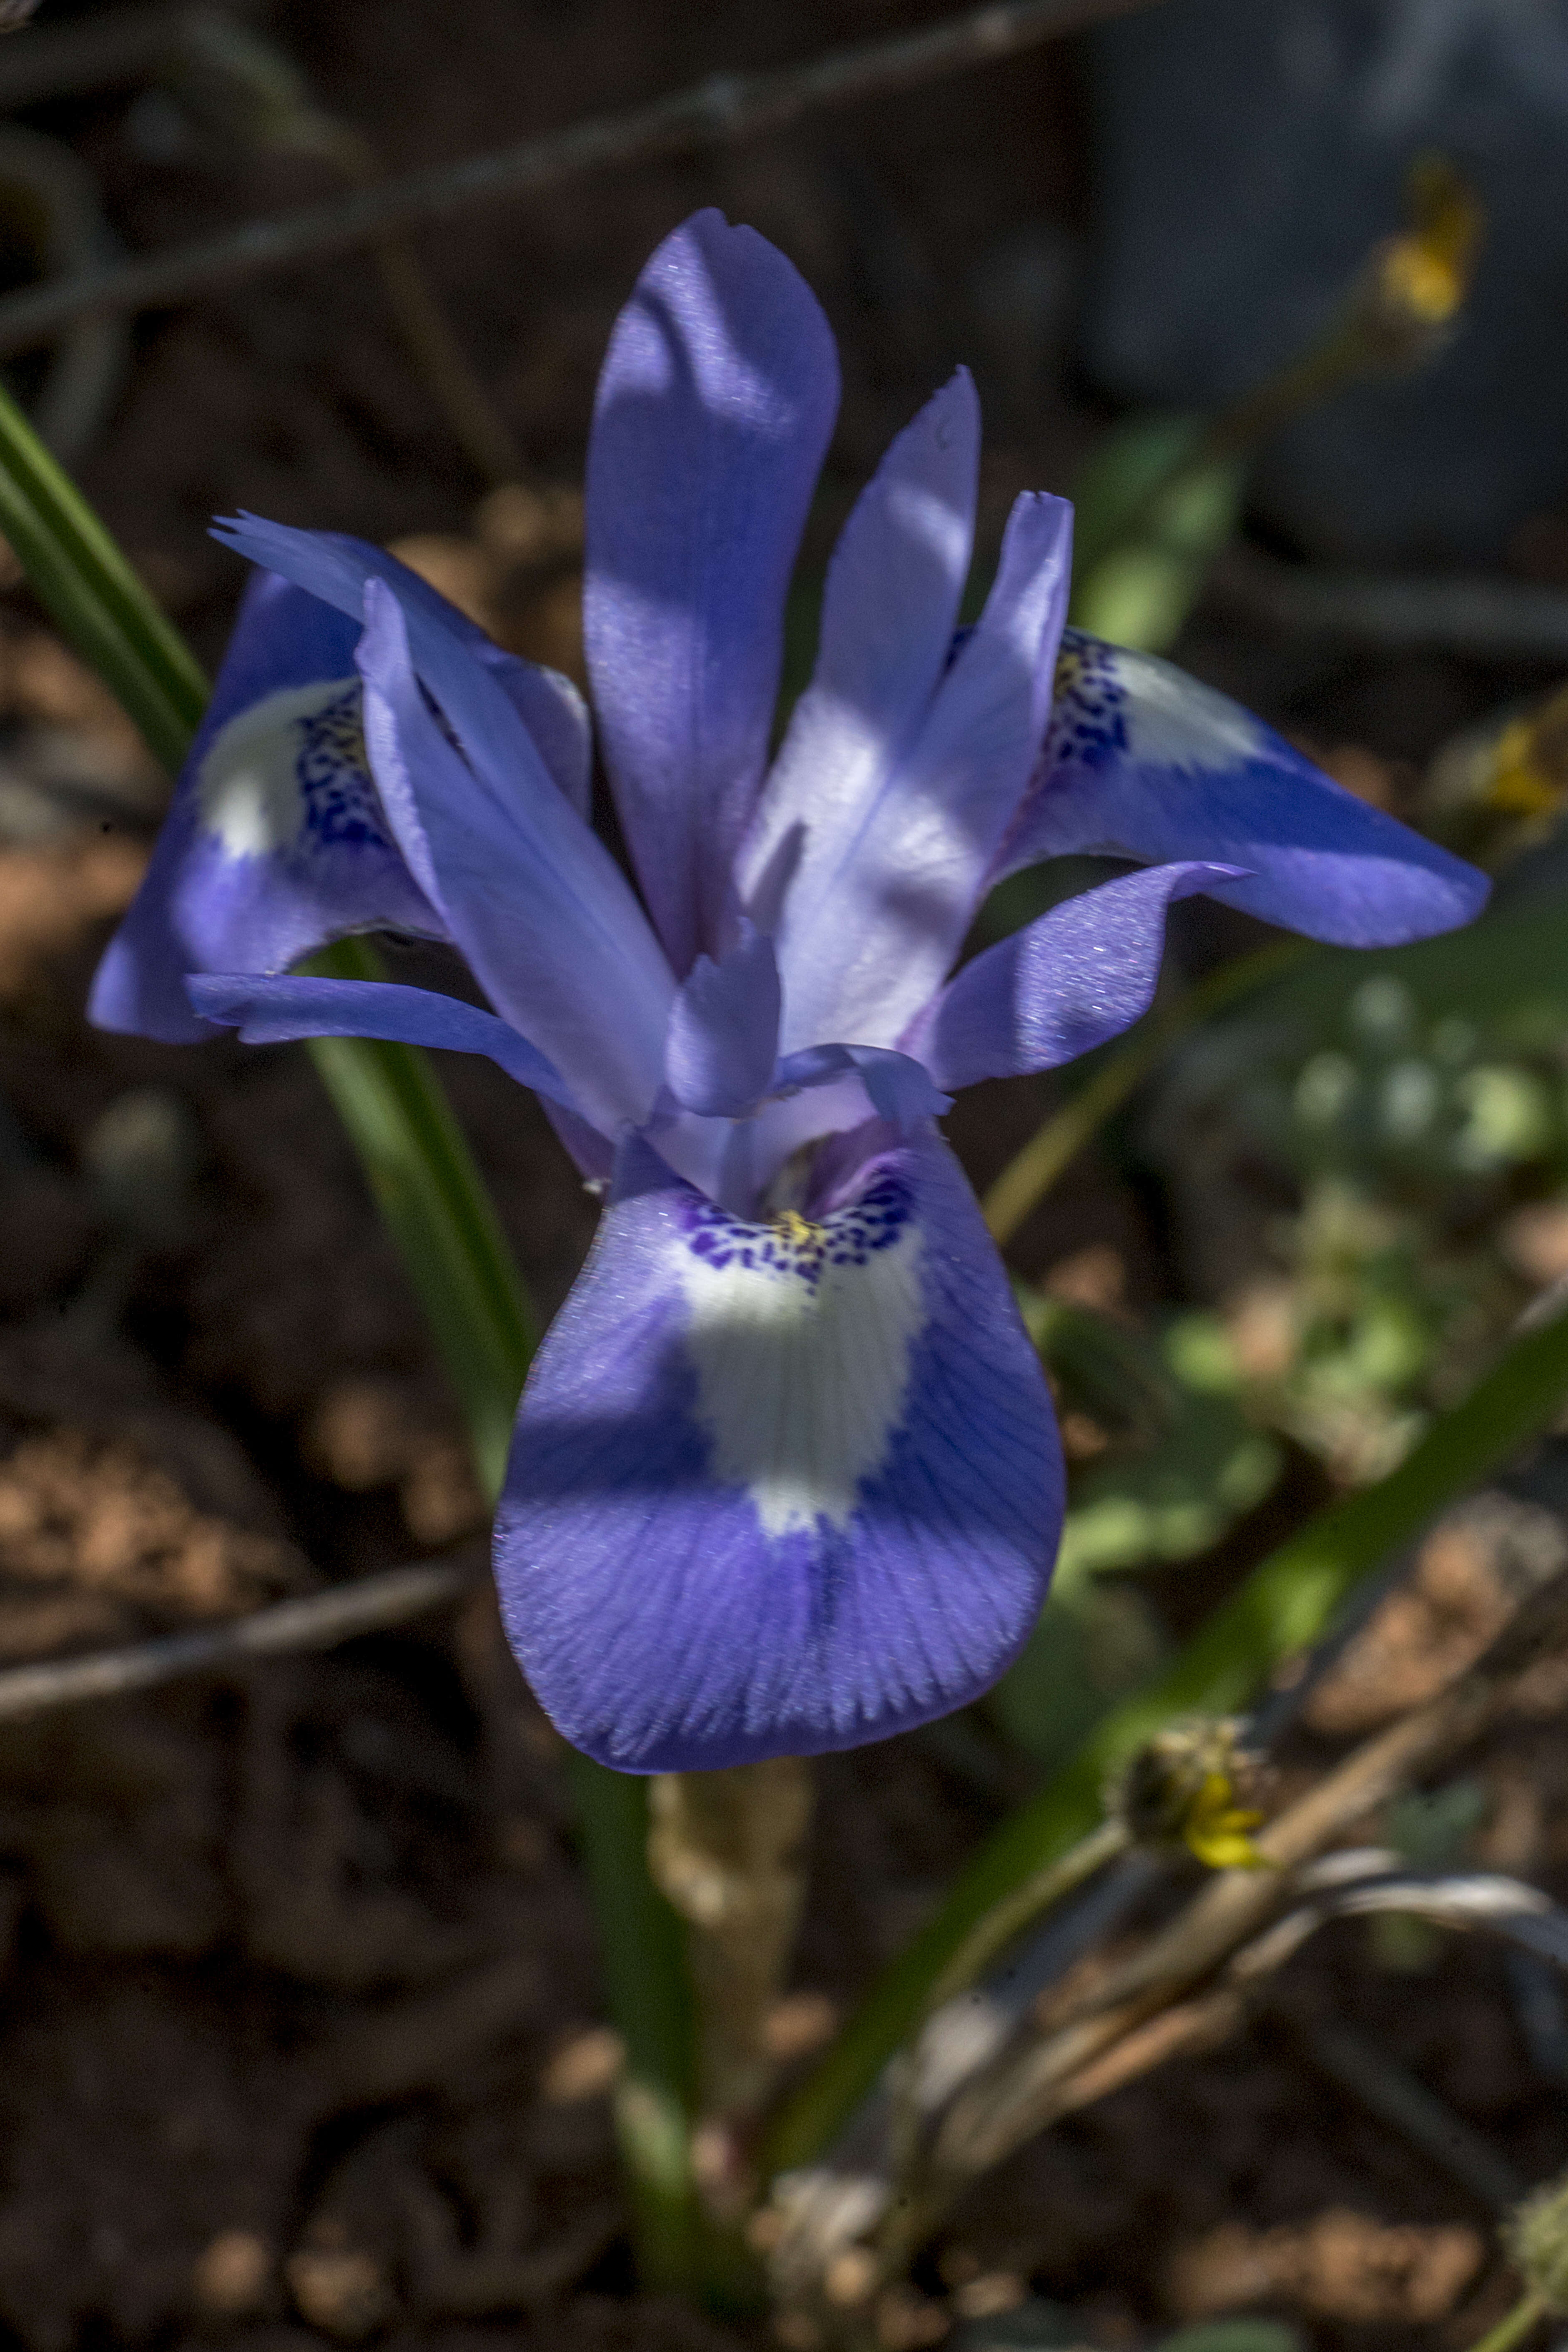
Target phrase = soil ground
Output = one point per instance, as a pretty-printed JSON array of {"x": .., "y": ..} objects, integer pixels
[{"x": 301, "y": 2039}]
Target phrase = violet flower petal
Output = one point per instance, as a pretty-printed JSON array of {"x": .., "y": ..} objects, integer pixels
[
  {"x": 866, "y": 948},
  {"x": 556, "y": 718},
  {"x": 714, "y": 410},
  {"x": 899, "y": 1088},
  {"x": 1082, "y": 972},
  {"x": 1142, "y": 761},
  {"x": 279, "y": 1012},
  {"x": 723, "y": 1032},
  {"x": 545, "y": 918},
  {"x": 276, "y": 841},
  {"x": 778, "y": 1489},
  {"x": 335, "y": 568},
  {"x": 889, "y": 610}
]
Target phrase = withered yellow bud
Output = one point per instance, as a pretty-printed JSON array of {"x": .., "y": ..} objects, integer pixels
[
  {"x": 1538, "y": 2241},
  {"x": 1413, "y": 284},
  {"x": 1181, "y": 1788},
  {"x": 1529, "y": 761}
]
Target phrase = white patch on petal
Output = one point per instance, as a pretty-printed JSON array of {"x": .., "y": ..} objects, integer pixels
[
  {"x": 1111, "y": 701},
  {"x": 292, "y": 765},
  {"x": 802, "y": 1336},
  {"x": 1174, "y": 722}
]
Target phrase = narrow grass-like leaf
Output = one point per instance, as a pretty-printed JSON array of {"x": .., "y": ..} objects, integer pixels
[
  {"x": 89, "y": 590},
  {"x": 434, "y": 1199},
  {"x": 438, "y": 1211},
  {"x": 1283, "y": 1606}
]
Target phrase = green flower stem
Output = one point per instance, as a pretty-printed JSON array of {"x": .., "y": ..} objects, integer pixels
[
  {"x": 427, "y": 1186},
  {"x": 441, "y": 1217},
  {"x": 438, "y": 1212},
  {"x": 1283, "y": 1606},
  {"x": 1512, "y": 2329},
  {"x": 642, "y": 1950},
  {"x": 1030, "y": 1173}
]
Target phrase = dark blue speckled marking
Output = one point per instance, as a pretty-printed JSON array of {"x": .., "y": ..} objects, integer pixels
[
  {"x": 333, "y": 768},
  {"x": 1088, "y": 721},
  {"x": 793, "y": 1244}
]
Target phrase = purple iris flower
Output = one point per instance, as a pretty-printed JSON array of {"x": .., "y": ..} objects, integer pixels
[{"x": 786, "y": 1477}]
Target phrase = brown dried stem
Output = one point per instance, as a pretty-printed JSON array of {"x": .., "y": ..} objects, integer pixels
[
  {"x": 724, "y": 107},
  {"x": 1155, "y": 2007},
  {"x": 1129, "y": 2021},
  {"x": 345, "y": 1610}
]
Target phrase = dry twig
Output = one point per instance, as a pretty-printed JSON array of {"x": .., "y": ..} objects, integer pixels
[
  {"x": 724, "y": 108},
  {"x": 366, "y": 1606},
  {"x": 1083, "y": 2055},
  {"x": 1187, "y": 1987}
]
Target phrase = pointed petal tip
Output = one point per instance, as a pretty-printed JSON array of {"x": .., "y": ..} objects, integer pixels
[
  {"x": 733, "y": 245},
  {"x": 1076, "y": 977},
  {"x": 143, "y": 995},
  {"x": 1370, "y": 897},
  {"x": 960, "y": 393}
]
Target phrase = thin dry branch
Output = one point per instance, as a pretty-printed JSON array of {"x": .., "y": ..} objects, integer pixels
[
  {"x": 1195, "y": 2026},
  {"x": 724, "y": 108},
  {"x": 116, "y": 46},
  {"x": 1188, "y": 1986},
  {"x": 1023, "y": 2088},
  {"x": 367, "y": 1606}
]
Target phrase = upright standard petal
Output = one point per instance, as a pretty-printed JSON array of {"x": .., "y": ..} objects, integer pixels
[
  {"x": 544, "y": 917},
  {"x": 867, "y": 937},
  {"x": 276, "y": 841},
  {"x": 714, "y": 411},
  {"x": 1082, "y": 972},
  {"x": 779, "y": 1488},
  {"x": 888, "y": 611},
  {"x": 1142, "y": 761}
]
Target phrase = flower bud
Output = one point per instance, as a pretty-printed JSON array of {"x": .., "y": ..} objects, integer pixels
[
  {"x": 1413, "y": 284},
  {"x": 1504, "y": 782},
  {"x": 1182, "y": 1788}
]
